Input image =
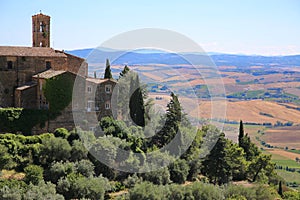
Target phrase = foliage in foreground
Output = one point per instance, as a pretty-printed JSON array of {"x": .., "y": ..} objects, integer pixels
[{"x": 198, "y": 190}]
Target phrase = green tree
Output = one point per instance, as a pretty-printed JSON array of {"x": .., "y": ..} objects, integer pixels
[
  {"x": 203, "y": 191},
  {"x": 136, "y": 102},
  {"x": 250, "y": 149},
  {"x": 113, "y": 127},
  {"x": 107, "y": 73},
  {"x": 257, "y": 165},
  {"x": 85, "y": 167},
  {"x": 241, "y": 132},
  {"x": 280, "y": 192},
  {"x": 10, "y": 193},
  {"x": 58, "y": 91},
  {"x": 123, "y": 93},
  {"x": 105, "y": 149},
  {"x": 54, "y": 149},
  {"x": 124, "y": 71},
  {"x": 79, "y": 151},
  {"x": 172, "y": 120},
  {"x": 215, "y": 166},
  {"x": 179, "y": 171},
  {"x": 58, "y": 170},
  {"x": 6, "y": 160},
  {"x": 147, "y": 191},
  {"x": 158, "y": 177},
  {"x": 235, "y": 157},
  {"x": 34, "y": 174},
  {"x": 176, "y": 192},
  {"x": 42, "y": 191},
  {"x": 76, "y": 186}
]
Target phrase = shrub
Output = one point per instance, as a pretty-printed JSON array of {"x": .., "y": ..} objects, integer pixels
[
  {"x": 58, "y": 170},
  {"x": 76, "y": 186},
  {"x": 179, "y": 171},
  {"x": 34, "y": 174},
  {"x": 79, "y": 151},
  {"x": 205, "y": 191},
  {"x": 131, "y": 181},
  {"x": 42, "y": 191},
  {"x": 147, "y": 191},
  {"x": 54, "y": 149},
  {"x": 85, "y": 167},
  {"x": 61, "y": 132},
  {"x": 159, "y": 177},
  {"x": 6, "y": 160}
]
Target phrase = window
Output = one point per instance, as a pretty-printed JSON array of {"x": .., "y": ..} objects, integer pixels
[
  {"x": 92, "y": 129},
  {"x": 108, "y": 88},
  {"x": 48, "y": 65},
  {"x": 89, "y": 89},
  {"x": 107, "y": 105},
  {"x": 89, "y": 106},
  {"x": 42, "y": 26},
  {"x": 9, "y": 64}
]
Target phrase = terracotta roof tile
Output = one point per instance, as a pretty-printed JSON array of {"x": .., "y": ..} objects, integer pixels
[
  {"x": 30, "y": 51},
  {"x": 48, "y": 74},
  {"x": 99, "y": 80}
]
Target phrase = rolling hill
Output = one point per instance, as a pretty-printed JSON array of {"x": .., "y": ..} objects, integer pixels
[{"x": 154, "y": 57}]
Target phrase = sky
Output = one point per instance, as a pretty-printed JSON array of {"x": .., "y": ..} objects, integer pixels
[{"x": 260, "y": 27}]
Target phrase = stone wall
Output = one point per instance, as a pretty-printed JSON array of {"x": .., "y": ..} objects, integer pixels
[
  {"x": 26, "y": 98},
  {"x": 8, "y": 84},
  {"x": 23, "y": 68},
  {"x": 76, "y": 65},
  {"x": 65, "y": 120}
]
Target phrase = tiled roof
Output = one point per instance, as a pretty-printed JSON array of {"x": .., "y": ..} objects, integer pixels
[
  {"x": 100, "y": 80},
  {"x": 30, "y": 51},
  {"x": 48, "y": 74}
]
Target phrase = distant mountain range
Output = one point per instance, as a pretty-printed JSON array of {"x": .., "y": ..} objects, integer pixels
[{"x": 145, "y": 57}]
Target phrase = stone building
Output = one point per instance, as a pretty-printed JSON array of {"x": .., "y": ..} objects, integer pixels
[
  {"x": 24, "y": 70},
  {"x": 18, "y": 65},
  {"x": 98, "y": 99}
]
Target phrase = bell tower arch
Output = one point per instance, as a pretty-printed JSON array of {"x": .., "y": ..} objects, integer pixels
[{"x": 40, "y": 30}]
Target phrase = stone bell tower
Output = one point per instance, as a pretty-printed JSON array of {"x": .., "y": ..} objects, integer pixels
[{"x": 40, "y": 30}]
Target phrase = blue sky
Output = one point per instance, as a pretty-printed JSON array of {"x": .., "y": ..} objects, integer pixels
[{"x": 266, "y": 27}]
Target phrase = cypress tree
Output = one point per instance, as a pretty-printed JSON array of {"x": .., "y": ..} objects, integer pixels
[
  {"x": 241, "y": 133},
  {"x": 280, "y": 188},
  {"x": 136, "y": 102},
  {"x": 124, "y": 71},
  {"x": 107, "y": 73}
]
